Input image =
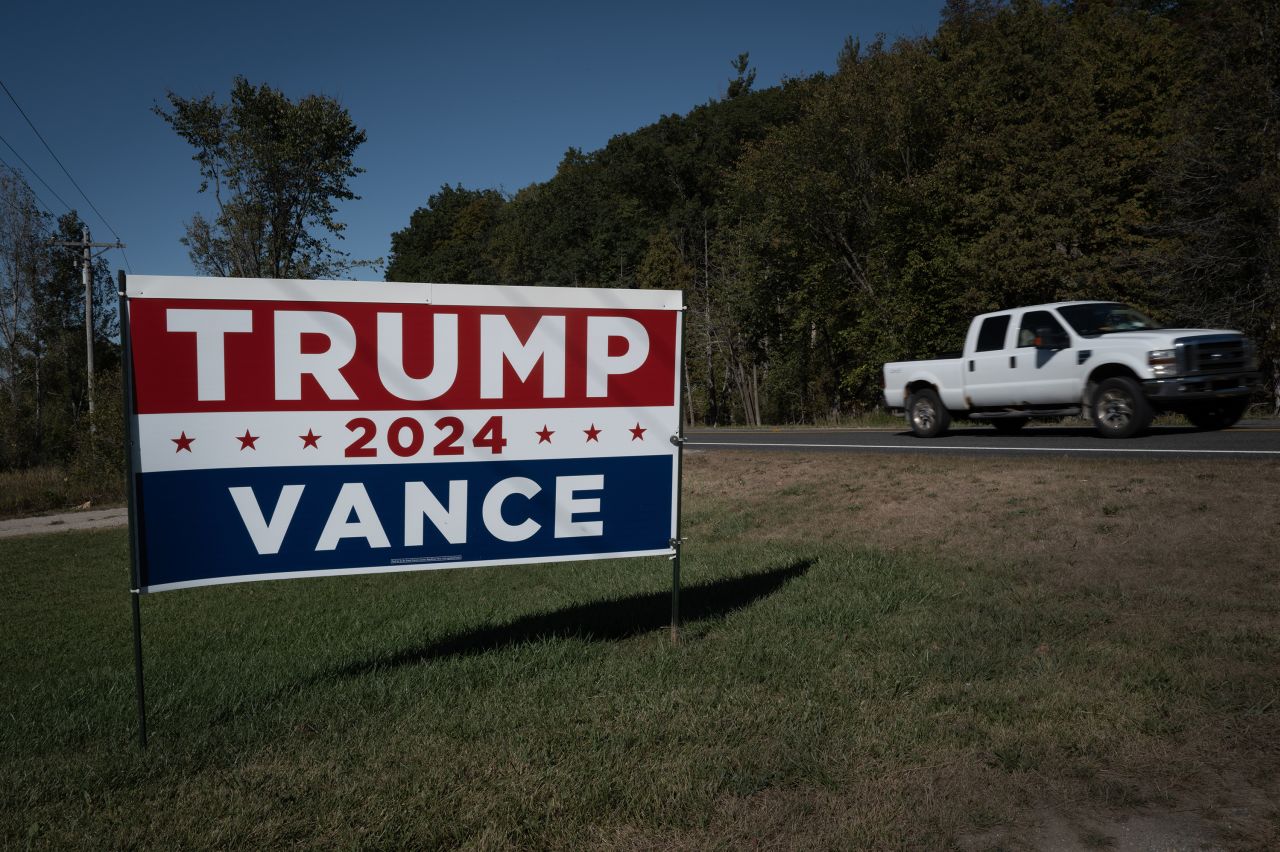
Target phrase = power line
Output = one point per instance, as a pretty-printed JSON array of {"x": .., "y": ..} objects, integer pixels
[
  {"x": 59, "y": 162},
  {"x": 37, "y": 175},
  {"x": 117, "y": 245}
]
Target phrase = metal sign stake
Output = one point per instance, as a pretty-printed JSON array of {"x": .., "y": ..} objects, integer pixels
[
  {"x": 135, "y": 583},
  {"x": 678, "y": 439},
  {"x": 137, "y": 670}
]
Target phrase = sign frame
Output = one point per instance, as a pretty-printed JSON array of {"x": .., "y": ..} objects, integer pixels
[{"x": 496, "y": 297}]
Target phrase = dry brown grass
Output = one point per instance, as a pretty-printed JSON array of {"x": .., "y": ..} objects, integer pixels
[
  {"x": 37, "y": 489},
  {"x": 1171, "y": 569},
  {"x": 1196, "y": 522}
]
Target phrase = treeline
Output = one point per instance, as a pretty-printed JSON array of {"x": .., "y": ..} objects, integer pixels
[
  {"x": 1027, "y": 152},
  {"x": 44, "y": 403}
]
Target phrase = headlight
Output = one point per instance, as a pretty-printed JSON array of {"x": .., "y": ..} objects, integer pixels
[{"x": 1164, "y": 362}]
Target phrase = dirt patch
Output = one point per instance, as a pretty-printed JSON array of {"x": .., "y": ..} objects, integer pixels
[{"x": 1228, "y": 812}]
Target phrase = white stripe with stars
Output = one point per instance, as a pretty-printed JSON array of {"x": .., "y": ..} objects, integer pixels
[{"x": 172, "y": 442}]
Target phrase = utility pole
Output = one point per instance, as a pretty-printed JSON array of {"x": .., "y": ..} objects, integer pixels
[{"x": 86, "y": 275}]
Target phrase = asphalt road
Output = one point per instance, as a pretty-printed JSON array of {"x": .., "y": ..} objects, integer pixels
[{"x": 1248, "y": 439}]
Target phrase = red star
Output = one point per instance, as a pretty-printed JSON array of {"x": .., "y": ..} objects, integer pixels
[
  {"x": 637, "y": 434},
  {"x": 311, "y": 439},
  {"x": 544, "y": 437},
  {"x": 593, "y": 434},
  {"x": 183, "y": 442},
  {"x": 247, "y": 441}
]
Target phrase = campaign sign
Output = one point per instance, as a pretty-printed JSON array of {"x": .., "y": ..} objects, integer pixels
[{"x": 305, "y": 428}]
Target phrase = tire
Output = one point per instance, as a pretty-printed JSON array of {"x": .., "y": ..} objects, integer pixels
[
  {"x": 926, "y": 415},
  {"x": 1009, "y": 425},
  {"x": 1220, "y": 414},
  {"x": 1120, "y": 410}
]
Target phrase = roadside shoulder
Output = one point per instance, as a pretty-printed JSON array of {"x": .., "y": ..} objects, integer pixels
[{"x": 65, "y": 521}]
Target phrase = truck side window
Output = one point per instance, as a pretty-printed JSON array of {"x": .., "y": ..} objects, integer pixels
[
  {"x": 991, "y": 335},
  {"x": 1035, "y": 322}
]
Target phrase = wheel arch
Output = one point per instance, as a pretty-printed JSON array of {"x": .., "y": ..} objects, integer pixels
[
  {"x": 922, "y": 384},
  {"x": 1103, "y": 372}
]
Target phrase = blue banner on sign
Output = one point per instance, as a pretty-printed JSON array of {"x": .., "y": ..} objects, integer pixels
[{"x": 209, "y": 526}]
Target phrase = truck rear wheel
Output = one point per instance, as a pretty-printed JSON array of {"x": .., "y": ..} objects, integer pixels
[
  {"x": 1120, "y": 410},
  {"x": 1221, "y": 414},
  {"x": 925, "y": 414}
]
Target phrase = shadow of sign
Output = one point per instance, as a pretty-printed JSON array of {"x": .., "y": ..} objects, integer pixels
[{"x": 606, "y": 621}]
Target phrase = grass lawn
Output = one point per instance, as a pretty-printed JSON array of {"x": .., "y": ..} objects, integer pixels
[{"x": 881, "y": 652}]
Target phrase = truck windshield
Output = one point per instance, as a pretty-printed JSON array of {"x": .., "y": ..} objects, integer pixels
[{"x": 1098, "y": 318}]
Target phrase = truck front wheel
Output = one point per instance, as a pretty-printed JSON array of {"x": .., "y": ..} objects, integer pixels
[
  {"x": 1119, "y": 408},
  {"x": 926, "y": 415},
  {"x": 1218, "y": 415}
]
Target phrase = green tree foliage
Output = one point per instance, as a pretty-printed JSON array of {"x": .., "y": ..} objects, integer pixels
[
  {"x": 448, "y": 240},
  {"x": 823, "y": 199},
  {"x": 1029, "y": 151},
  {"x": 644, "y": 211},
  {"x": 43, "y": 389},
  {"x": 276, "y": 169},
  {"x": 745, "y": 79},
  {"x": 1055, "y": 125},
  {"x": 1220, "y": 181}
]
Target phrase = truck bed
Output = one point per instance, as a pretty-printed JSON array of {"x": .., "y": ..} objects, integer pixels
[{"x": 946, "y": 373}]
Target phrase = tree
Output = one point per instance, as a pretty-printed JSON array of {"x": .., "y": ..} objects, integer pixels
[
  {"x": 1220, "y": 180},
  {"x": 23, "y": 233},
  {"x": 448, "y": 240},
  {"x": 276, "y": 168},
  {"x": 822, "y": 202},
  {"x": 745, "y": 77},
  {"x": 56, "y": 341},
  {"x": 42, "y": 340},
  {"x": 1055, "y": 118},
  {"x": 1029, "y": 151}
]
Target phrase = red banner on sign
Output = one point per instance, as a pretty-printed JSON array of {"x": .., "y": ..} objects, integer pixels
[{"x": 210, "y": 356}]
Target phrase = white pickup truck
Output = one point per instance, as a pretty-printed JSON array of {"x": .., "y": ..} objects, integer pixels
[{"x": 1103, "y": 360}]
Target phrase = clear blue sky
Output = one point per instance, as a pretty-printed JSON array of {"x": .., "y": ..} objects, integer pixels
[{"x": 486, "y": 94}]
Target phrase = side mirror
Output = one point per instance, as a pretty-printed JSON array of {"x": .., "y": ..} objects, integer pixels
[{"x": 1051, "y": 339}]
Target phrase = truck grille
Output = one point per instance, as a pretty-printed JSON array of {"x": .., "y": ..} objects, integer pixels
[{"x": 1219, "y": 354}]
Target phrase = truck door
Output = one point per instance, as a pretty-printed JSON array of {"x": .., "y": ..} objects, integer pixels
[
  {"x": 1041, "y": 376},
  {"x": 986, "y": 364}
]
